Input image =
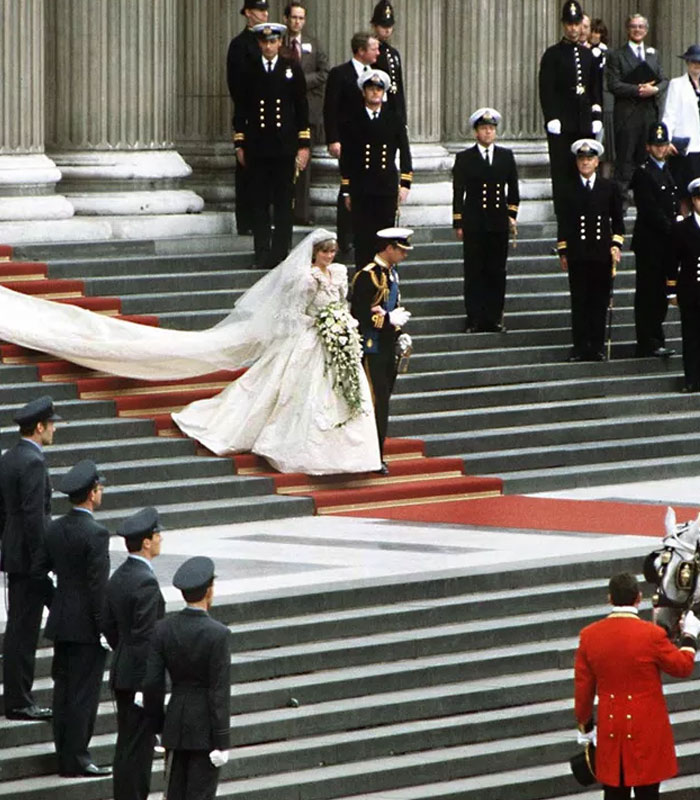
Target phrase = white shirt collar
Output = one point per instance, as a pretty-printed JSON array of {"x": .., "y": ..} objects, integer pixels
[
  {"x": 141, "y": 558},
  {"x": 274, "y": 62},
  {"x": 483, "y": 150},
  {"x": 625, "y": 610},
  {"x": 359, "y": 66},
  {"x": 635, "y": 47},
  {"x": 697, "y": 218},
  {"x": 36, "y": 444},
  {"x": 371, "y": 112},
  {"x": 591, "y": 179}
]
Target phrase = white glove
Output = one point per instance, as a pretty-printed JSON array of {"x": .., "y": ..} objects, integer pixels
[
  {"x": 587, "y": 738},
  {"x": 554, "y": 127},
  {"x": 138, "y": 699},
  {"x": 596, "y": 127},
  {"x": 218, "y": 757},
  {"x": 104, "y": 643},
  {"x": 691, "y": 625},
  {"x": 399, "y": 316}
]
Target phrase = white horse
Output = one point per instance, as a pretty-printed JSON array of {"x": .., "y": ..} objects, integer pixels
[{"x": 675, "y": 571}]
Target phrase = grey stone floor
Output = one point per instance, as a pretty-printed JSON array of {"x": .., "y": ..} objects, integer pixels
[{"x": 287, "y": 556}]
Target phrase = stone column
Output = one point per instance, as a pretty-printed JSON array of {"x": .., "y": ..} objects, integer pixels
[
  {"x": 110, "y": 107},
  {"x": 27, "y": 176}
]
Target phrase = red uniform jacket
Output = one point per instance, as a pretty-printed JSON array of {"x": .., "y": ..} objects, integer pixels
[{"x": 620, "y": 658}]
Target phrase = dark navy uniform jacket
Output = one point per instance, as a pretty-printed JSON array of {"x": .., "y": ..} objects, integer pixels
[
  {"x": 377, "y": 284},
  {"x": 368, "y": 154},
  {"x": 592, "y": 221},
  {"x": 570, "y": 88},
  {"x": 656, "y": 199},
  {"x": 25, "y": 509},
  {"x": 484, "y": 196},
  {"x": 684, "y": 271},
  {"x": 271, "y": 117},
  {"x": 77, "y": 547},
  {"x": 195, "y": 650},
  {"x": 133, "y": 605}
]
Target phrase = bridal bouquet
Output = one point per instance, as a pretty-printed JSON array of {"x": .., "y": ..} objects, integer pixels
[{"x": 341, "y": 340}]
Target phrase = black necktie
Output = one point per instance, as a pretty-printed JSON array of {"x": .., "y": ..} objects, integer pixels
[
  {"x": 588, "y": 185},
  {"x": 269, "y": 66},
  {"x": 375, "y": 115},
  {"x": 486, "y": 157}
]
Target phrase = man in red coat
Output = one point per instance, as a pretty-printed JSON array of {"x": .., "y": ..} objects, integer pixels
[{"x": 620, "y": 658}]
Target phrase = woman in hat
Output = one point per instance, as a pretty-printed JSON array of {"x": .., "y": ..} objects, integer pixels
[
  {"x": 683, "y": 120},
  {"x": 304, "y": 403}
]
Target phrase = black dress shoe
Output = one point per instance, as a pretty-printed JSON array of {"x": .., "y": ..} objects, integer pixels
[
  {"x": 663, "y": 352},
  {"x": 88, "y": 771},
  {"x": 599, "y": 356},
  {"x": 690, "y": 388},
  {"x": 30, "y": 713},
  {"x": 383, "y": 470},
  {"x": 574, "y": 358}
]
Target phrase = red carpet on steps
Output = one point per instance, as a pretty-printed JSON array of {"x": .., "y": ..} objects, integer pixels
[{"x": 541, "y": 514}]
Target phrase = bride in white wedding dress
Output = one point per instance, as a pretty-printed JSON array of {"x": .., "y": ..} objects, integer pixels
[{"x": 304, "y": 403}]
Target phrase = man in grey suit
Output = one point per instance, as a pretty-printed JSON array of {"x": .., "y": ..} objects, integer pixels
[
  {"x": 635, "y": 78},
  {"x": 25, "y": 512},
  {"x": 195, "y": 651},
  {"x": 77, "y": 550},
  {"x": 133, "y": 606},
  {"x": 307, "y": 52}
]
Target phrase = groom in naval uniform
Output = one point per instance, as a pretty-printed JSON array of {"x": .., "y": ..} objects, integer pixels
[
  {"x": 375, "y": 303},
  {"x": 134, "y": 604}
]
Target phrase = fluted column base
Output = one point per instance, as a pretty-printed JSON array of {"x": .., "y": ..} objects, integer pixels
[
  {"x": 213, "y": 172},
  {"x": 133, "y": 182},
  {"x": 27, "y": 189}
]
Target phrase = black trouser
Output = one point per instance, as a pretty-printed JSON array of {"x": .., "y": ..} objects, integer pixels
[
  {"x": 273, "y": 185},
  {"x": 133, "y": 755},
  {"x": 192, "y": 776},
  {"x": 370, "y": 213},
  {"x": 244, "y": 201},
  {"x": 590, "y": 283},
  {"x": 380, "y": 369},
  {"x": 562, "y": 165},
  {"x": 77, "y": 677},
  {"x": 650, "y": 302},
  {"x": 690, "y": 329},
  {"x": 648, "y": 792},
  {"x": 26, "y": 600},
  {"x": 485, "y": 254}
]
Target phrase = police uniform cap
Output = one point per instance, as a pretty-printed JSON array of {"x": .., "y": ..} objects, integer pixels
[
  {"x": 657, "y": 134},
  {"x": 383, "y": 15},
  {"x": 374, "y": 77},
  {"x": 80, "y": 478},
  {"x": 139, "y": 524},
  {"x": 195, "y": 573},
  {"x": 398, "y": 236},
  {"x": 484, "y": 116},
  {"x": 587, "y": 147},
  {"x": 694, "y": 187},
  {"x": 571, "y": 11},
  {"x": 269, "y": 30},
  {"x": 259, "y": 5},
  {"x": 692, "y": 53},
  {"x": 39, "y": 410}
]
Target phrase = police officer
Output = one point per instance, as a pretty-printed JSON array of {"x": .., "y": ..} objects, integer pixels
[
  {"x": 195, "y": 651},
  {"x": 25, "y": 512},
  {"x": 590, "y": 235},
  {"x": 684, "y": 286},
  {"x": 78, "y": 552},
  {"x": 272, "y": 140},
  {"x": 389, "y": 58},
  {"x": 658, "y": 206},
  {"x": 133, "y": 606},
  {"x": 570, "y": 96},
  {"x": 370, "y": 182},
  {"x": 243, "y": 50},
  {"x": 376, "y": 304},
  {"x": 484, "y": 210}
]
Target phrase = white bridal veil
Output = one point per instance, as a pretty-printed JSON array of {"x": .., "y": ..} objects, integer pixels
[{"x": 272, "y": 308}]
